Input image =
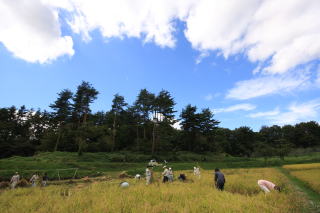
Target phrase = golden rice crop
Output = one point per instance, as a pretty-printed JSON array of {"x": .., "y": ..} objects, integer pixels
[
  {"x": 241, "y": 195},
  {"x": 302, "y": 166},
  {"x": 310, "y": 176}
]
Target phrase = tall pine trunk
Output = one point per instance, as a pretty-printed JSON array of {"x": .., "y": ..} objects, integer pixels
[
  {"x": 58, "y": 140},
  {"x": 138, "y": 140},
  {"x": 144, "y": 132},
  {"x": 153, "y": 138},
  {"x": 114, "y": 132}
]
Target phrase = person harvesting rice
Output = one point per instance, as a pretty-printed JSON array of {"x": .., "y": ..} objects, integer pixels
[
  {"x": 219, "y": 179},
  {"x": 196, "y": 171},
  {"x": 34, "y": 179},
  {"x": 14, "y": 180},
  {"x": 170, "y": 175},
  {"x": 165, "y": 174},
  {"x": 267, "y": 186},
  {"x": 148, "y": 175}
]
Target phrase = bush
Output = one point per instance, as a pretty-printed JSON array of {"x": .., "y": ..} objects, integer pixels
[
  {"x": 23, "y": 183},
  {"x": 133, "y": 172},
  {"x": 188, "y": 156},
  {"x": 116, "y": 157},
  {"x": 124, "y": 174},
  {"x": 4, "y": 185}
]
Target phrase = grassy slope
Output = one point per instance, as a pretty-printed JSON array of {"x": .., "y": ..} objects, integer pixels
[
  {"x": 94, "y": 164},
  {"x": 313, "y": 196}
]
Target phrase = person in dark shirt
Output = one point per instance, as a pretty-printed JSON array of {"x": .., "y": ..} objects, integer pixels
[
  {"x": 219, "y": 179},
  {"x": 182, "y": 177},
  {"x": 45, "y": 179}
]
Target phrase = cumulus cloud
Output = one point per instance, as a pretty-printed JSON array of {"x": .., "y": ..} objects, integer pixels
[
  {"x": 281, "y": 33},
  {"x": 276, "y": 34},
  {"x": 237, "y": 107},
  {"x": 270, "y": 84},
  {"x": 153, "y": 21},
  {"x": 31, "y": 31}
]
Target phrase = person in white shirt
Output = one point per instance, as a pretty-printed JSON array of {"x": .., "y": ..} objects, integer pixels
[
  {"x": 124, "y": 184},
  {"x": 148, "y": 175},
  {"x": 196, "y": 171},
  {"x": 267, "y": 186},
  {"x": 165, "y": 174},
  {"x": 137, "y": 177},
  {"x": 14, "y": 180},
  {"x": 34, "y": 179},
  {"x": 170, "y": 175}
]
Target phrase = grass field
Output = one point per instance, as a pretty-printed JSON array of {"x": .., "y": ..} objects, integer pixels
[
  {"x": 241, "y": 194},
  {"x": 308, "y": 173},
  {"x": 97, "y": 164}
]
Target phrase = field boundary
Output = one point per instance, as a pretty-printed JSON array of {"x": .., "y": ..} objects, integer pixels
[{"x": 313, "y": 196}]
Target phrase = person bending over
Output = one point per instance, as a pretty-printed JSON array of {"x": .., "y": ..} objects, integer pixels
[{"x": 267, "y": 186}]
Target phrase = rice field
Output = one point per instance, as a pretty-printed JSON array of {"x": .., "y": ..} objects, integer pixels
[
  {"x": 309, "y": 173},
  {"x": 241, "y": 194},
  {"x": 305, "y": 166}
]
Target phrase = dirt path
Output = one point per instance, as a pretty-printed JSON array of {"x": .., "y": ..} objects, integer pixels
[{"x": 303, "y": 188}]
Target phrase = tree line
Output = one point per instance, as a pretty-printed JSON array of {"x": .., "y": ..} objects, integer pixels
[{"x": 145, "y": 126}]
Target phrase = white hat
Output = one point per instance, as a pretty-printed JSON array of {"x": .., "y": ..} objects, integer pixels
[{"x": 124, "y": 184}]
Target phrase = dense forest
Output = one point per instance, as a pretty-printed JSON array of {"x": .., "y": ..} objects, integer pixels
[{"x": 146, "y": 126}]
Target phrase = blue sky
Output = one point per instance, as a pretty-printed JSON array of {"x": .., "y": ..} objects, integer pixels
[{"x": 223, "y": 61}]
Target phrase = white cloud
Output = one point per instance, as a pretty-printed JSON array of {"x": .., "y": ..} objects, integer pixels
[
  {"x": 297, "y": 113},
  {"x": 201, "y": 57},
  {"x": 317, "y": 82},
  {"x": 265, "y": 114},
  {"x": 286, "y": 33},
  {"x": 270, "y": 84},
  {"x": 208, "y": 97},
  {"x": 216, "y": 25},
  {"x": 276, "y": 34},
  {"x": 177, "y": 125},
  {"x": 237, "y": 107},
  {"x": 31, "y": 31},
  {"x": 153, "y": 21}
]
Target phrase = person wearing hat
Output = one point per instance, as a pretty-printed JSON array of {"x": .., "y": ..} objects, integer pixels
[
  {"x": 267, "y": 186},
  {"x": 148, "y": 175},
  {"x": 14, "y": 180},
  {"x": 182, "y": 177},
  {"x": 170, "y": 175},
  {"x": 45, "y": 179},
  {"x": 124, "y": 184},
  {"x": 34, "y": 179},
  {"x": 219, "y": 179},
  {"x": 165, "y": 174},
  {"x": 196, "y": 171},
  {"x": 137, "y": 177}
]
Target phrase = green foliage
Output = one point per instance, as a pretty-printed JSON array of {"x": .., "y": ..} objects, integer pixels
[{"x": 146, "y": 127}]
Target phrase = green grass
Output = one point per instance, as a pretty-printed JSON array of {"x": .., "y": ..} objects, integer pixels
[
  {"x": 304, "y": 187},
  {"x": 94, "y": 164}
]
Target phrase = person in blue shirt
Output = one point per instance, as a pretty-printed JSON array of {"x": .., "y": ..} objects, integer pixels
[{"x": 219, "y": 179}]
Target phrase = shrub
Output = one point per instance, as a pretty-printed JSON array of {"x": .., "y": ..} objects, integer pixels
[
  {"x": 23, "y": 183},
  {"x": 4, "y": 184}
]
